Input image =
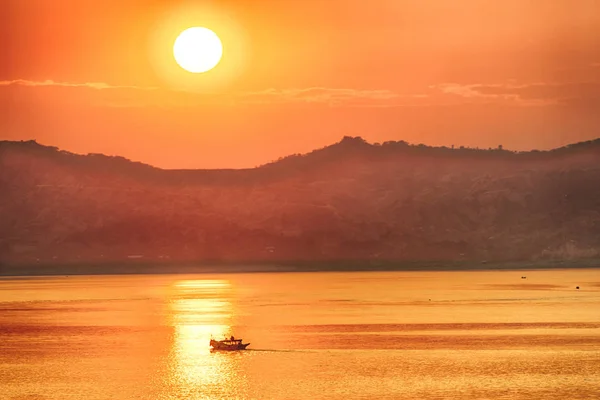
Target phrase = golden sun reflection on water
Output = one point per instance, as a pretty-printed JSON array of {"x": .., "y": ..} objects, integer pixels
[{"x": 199, "y": 309}]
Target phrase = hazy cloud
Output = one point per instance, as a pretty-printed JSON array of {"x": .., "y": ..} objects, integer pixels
[
  {"x": 49, "y": 82},
  {"x": 519, "y": 94},
  {"x": 544, "y": 90},
  {"x": 472, "y": 91},
  {"x": 523, "y": 94},
  {"x": 173, "y": 98},
  {"x": 334, "y": 97}
]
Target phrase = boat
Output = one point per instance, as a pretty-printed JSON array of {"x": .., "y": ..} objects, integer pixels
[{"x": 231, "y": 344}]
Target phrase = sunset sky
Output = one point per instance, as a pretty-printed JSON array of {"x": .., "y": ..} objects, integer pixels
[{"x": 100, "y": 77}]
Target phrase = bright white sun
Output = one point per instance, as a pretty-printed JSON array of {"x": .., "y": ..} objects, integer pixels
[{"x": 197, "y": 49}]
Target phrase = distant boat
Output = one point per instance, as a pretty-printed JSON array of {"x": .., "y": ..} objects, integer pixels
[{"x": 231, "y": 344}]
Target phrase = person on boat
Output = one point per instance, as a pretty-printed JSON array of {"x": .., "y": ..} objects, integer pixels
[{"x": 232, "y": 338}]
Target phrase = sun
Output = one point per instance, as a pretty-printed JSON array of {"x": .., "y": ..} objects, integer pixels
[{"x": 197, "y": 49}]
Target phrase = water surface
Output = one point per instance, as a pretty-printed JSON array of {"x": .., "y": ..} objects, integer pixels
[{"x": 360, "y": 335}]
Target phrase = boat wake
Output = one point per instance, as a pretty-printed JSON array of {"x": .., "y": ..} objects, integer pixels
[{"x": 277, "y": 351}]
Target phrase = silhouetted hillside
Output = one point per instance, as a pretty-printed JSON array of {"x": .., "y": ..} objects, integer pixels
[{"x": 351, "y": 200}]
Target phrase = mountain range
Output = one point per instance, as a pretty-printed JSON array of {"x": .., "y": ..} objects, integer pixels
[{"x": 351, "y": 201}]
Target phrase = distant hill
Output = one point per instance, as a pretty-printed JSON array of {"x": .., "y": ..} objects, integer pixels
[{"x": 348, "y": 201}]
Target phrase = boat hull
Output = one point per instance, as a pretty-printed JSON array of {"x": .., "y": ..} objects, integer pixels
[{"x": 219, "y": 346}]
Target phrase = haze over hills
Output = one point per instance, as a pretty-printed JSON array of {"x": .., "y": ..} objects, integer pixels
[{"x": 348, "y": 201}]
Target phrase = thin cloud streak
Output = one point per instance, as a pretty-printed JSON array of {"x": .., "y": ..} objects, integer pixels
[
  {"x": 335, "y": 97},
  {"x": 511, "y": 93},
  {"x": 91, "y": 85},
  {"x": 523, "y": 94},
  {"x": 313, "y": 95}
]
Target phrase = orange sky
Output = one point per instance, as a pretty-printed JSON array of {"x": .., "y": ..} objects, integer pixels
[{"x": 99, "y": 76}]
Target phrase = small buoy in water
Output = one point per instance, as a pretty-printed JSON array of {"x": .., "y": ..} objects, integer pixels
[{"x": 577, "y": 287}]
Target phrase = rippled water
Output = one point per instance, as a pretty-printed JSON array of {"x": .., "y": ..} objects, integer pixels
[{"x": 399, "y": 335}]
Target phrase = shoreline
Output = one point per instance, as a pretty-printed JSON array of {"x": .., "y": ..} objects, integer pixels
[{"x": 180, "y": 268}]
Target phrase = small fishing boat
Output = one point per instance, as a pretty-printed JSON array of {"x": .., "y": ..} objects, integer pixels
[{"x": 231, "y": 344}]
